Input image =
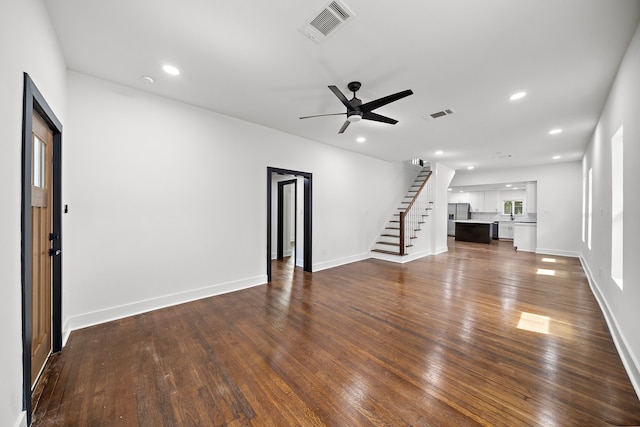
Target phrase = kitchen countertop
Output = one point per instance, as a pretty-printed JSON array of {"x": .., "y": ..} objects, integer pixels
[{"x": 474, "y": 221}]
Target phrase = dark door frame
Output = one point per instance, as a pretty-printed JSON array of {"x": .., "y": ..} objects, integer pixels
[
  {"x": 34, "y": 101},
  {"x": 307, "y": 226},
  {"x": 280, "y": 229}
]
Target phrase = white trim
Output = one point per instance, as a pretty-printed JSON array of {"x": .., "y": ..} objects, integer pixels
[
  {"x": 441, "y": 250},
  {"x": 629, "y": 360},
  {"x": 400, "y": 259},
  {"x": 557, "y": 252},
  {"x": 22, "y": 420},
  {"x": 338, "y": 262},
  {"x": 101, "y": 316}
]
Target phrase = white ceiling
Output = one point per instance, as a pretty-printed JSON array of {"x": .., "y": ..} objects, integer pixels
[{"x": 248, "y": 59}]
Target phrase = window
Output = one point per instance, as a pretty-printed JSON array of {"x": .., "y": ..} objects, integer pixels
[
  {"x": 513, "y": 207},
  {"x": 617, "y": 196},
  {"x": 38, "y": 173}
]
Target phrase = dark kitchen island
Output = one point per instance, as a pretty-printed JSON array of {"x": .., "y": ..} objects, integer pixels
[{"x": 474, "y": 231}]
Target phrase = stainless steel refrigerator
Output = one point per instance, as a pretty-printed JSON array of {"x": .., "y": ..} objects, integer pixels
[{"x": 457, "y": 211}]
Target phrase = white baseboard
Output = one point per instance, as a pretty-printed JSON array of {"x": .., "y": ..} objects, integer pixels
[
  {"x": 338, "y": 262},
  {"x": 441, "y": 250},
  {"x": 113, "y": 313},
  {"x": 629, "y": 360},
  {"x": 557, "y": 252},
  {"x": 274, "y": 255},
  {"x": 415, "y": 256},
  {"x": 400, "y": 259},
  {"x": 22, "y": 420}
]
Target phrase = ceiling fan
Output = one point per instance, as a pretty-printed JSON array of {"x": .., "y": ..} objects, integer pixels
[{"x": 357, "y": 111}]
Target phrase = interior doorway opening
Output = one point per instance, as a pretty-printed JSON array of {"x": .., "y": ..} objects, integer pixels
[
  {"x": 287, "y": 240},
  {"x": 285, "y": 188}
]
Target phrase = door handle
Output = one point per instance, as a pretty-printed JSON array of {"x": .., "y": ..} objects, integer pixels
[{"x": 54, "y": 252}]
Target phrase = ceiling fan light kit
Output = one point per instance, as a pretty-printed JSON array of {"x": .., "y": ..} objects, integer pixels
[{"x": 357, "y": 111}]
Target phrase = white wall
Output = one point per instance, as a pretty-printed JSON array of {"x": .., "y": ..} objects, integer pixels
[
  {"x": 28, "y": 44},
  {"x": 559, "y": 201},
  {"x": 154, "y": 218},
  {"x": 621, "y": 307},
  {"x": 443, "y": 177}
]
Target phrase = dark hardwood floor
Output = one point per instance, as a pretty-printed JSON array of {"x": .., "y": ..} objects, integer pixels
[{"x": 434, "y": 342}]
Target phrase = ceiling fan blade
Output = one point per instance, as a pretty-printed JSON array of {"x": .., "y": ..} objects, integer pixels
[
  {"x": 372, "y": 105},
  {"x": 322, "y": 115},
  {"x": 344, "y": 126},
  {"x": 342, "y": 98},
  {"x": 378, "y": 118}
]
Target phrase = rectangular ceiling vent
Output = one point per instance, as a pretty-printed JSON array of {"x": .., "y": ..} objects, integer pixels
[
  {"x": 439, "y": 114},
  {"x": 326, "y": 22}
]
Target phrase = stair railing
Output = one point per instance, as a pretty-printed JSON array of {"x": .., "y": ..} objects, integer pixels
[{"x": 413, "y": 216}]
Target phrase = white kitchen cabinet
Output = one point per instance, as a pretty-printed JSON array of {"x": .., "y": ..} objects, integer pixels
[
  {"x": 476, "y": 200},
  {"x": 505, "y": 230},
  {"x": 524, "y": 237},
  {"x": 491, "y": 201},
  {"x": 459, "y": 197}
]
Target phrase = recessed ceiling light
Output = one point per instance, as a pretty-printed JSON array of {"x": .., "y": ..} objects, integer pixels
[
  {"x": 556, "y": 157},
  {"x": 450, "y": 189},
  {"x": 508, "y": 185},
  {"x": 555, "y": 131},
  {"x": 170, "y": 69},
  {"x": 147, "y": 79},
  {"x": 517, "y": 95},
  {"x": 439, "y": 152},
  {"x": 470, "y": 167},
  {"x": 515, "y": 188},
  {"x": 361, "y": 139},
  {"x": 461, "y": 191}
]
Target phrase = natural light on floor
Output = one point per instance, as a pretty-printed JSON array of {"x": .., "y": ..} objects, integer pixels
[
  {"x": 546, "y": 272},
  {"x": 548, "y": 260},
  {"x": 534, "y": 323}
]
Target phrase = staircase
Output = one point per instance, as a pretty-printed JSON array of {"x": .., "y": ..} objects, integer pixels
[{"x": 401, "y": 231}]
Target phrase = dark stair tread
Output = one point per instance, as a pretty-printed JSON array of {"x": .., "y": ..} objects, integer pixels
[
  {"x": 389, "y": 235},
  {"x": 392, "y": 244}
]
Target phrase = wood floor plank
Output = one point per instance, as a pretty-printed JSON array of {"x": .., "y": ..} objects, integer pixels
[{"x": 433, "y": 342}]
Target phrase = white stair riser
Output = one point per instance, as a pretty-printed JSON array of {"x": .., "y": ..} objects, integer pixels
[{"x": 389, "y": 239}]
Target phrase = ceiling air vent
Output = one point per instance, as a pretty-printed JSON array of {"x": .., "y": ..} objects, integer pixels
[
  {"x": 327, "y": 21},
  {"x": 439, "y": 114}
]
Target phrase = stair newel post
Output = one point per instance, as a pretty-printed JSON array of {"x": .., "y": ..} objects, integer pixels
[{"x": 402, "y": 248}]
